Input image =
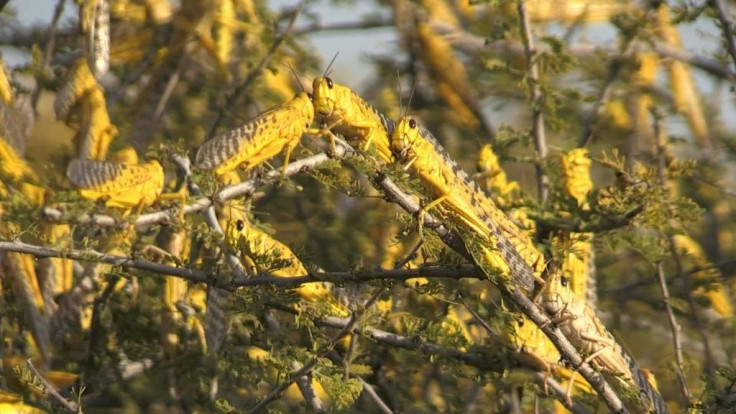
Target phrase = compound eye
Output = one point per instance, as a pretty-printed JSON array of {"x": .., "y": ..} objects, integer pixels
[
  {"x": 563, "y": 281},
  {"x": 310, "y": 96},
  {"x": 329, "y": 83},
  {"x": 412, "y": 124},
  {"x": 239, "y": 225}
]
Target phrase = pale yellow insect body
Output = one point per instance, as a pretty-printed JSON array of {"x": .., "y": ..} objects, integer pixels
[
  {"x": 258, "y": 243},
  {"x": 262, "y": 138},
  {"x": 349, "y": 115},
  {"x": 586, "y": 332},
  {"x": 509, "y": 250},
  {"x": 120, "y": 185}
]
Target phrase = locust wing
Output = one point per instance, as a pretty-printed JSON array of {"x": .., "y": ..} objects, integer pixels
[{"x": 103, "y": 175}]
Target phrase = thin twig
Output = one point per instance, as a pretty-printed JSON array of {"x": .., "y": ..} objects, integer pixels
[
  {"x": 694, "y": 313},
  {"x": 69, "y": 405},
  {"x": 726, "y": 27},
  {"x": 675, "y": 328},
  {"x": 235, "y": 264},
  {"x": 305, "y": 387},
  {"x": 544, "y": 380},
  {"x": 674, "y": 325},
  {"x": 123, "y": 262},
  {"x": 200, "y": 276},
  {"x": 370, "y": 22},
  {"x": 604, "y": 94},
  {"x": 670, "y": 279},
  {"x": 252, "y": 76},
  {"x": 537, "y": 101},
  {"x": 48, "y": 51},
  {"x": 476, "y": 45},
  {"x": 368, "y": 388}
]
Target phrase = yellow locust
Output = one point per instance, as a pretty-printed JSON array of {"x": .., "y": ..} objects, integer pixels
[
  {"x": 263, "y": 137},
  {"x": 349, "y": 115},
  {"x": 79, "y": 80},
  {"x": 578, "y": 261},
  {"x": 536, "y": 349},
  {"x": 579, "y": 323},
  {"x": 120, "y": 185},
  {"x": 262, "y": 248},
  {"x": 457, "y": 196}
]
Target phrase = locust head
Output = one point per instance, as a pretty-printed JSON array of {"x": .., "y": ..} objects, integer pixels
[
  {"x": 557, "y": 294},
  {"x": 325, "y": 95},
  {"x": 404, "y": 136}
]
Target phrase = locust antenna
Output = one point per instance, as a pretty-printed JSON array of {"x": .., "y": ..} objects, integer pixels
[
  {"x": 295, "y": 73},
  {"x": 411, "y": 96},
  {"x": 401, "y": 98},
  {"x": 327, "y": 70}
]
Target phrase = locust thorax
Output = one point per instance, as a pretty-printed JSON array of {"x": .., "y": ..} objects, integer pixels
[{"x": 302, "y": 102}]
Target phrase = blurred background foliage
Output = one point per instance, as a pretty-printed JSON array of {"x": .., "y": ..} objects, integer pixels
[{"x": 611, "y": 76}]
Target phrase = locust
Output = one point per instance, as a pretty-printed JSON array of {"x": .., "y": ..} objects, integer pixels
[
  {"x": 79, "y": 80},
  {"x": 19, "y": 272},
  {"x": 458, "y": 197},
  {"x": 95, "y": 129},
  {"x": 120, "y": 185},
  {"x": 261, "y": 138},
  {"x": 578, "y": 261},
  {"x": 536, "y": 349},
  {"x": 347, "y": 114},
  {"x": 582, "y": 327},
  {"x": 248, "y": 241}
]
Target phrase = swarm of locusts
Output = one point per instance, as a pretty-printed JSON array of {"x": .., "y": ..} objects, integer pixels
[
  {"x": 188, "y": 216},
  {"x": 502, "y": 251}
]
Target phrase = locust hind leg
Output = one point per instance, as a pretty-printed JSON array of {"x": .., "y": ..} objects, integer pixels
[{"x": 423, "y": 211}]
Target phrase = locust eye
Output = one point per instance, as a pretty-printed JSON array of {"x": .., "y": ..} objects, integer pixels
[
  {"x": 563, "y": 281},
  {"x": 412, "y": 124},
  {"x": 310, "y": 96},
  {"x": 329, "y": 83},
  {"x": 239, "y": 225}
]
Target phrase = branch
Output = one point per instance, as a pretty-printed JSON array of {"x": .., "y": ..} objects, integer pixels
[
  {"x": 69, "y": 405},
  {"x": 675, "y": 328},
  {"x": 289, "y": 282},
  {"x": 620, "y": 289},
  {"x": 661, "y": 141},
  {"x": 124, "y": 262},
  {"x": 717, "y": 6},
  {"x": 368, "y": 388},
  {"x": 369, "y": 22},
  {"x": 305, "y": 387},
  {"x": 540, "y": 138},
  {"x": 48, "y": 51},
  {"x": 475, "y": 45}
]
